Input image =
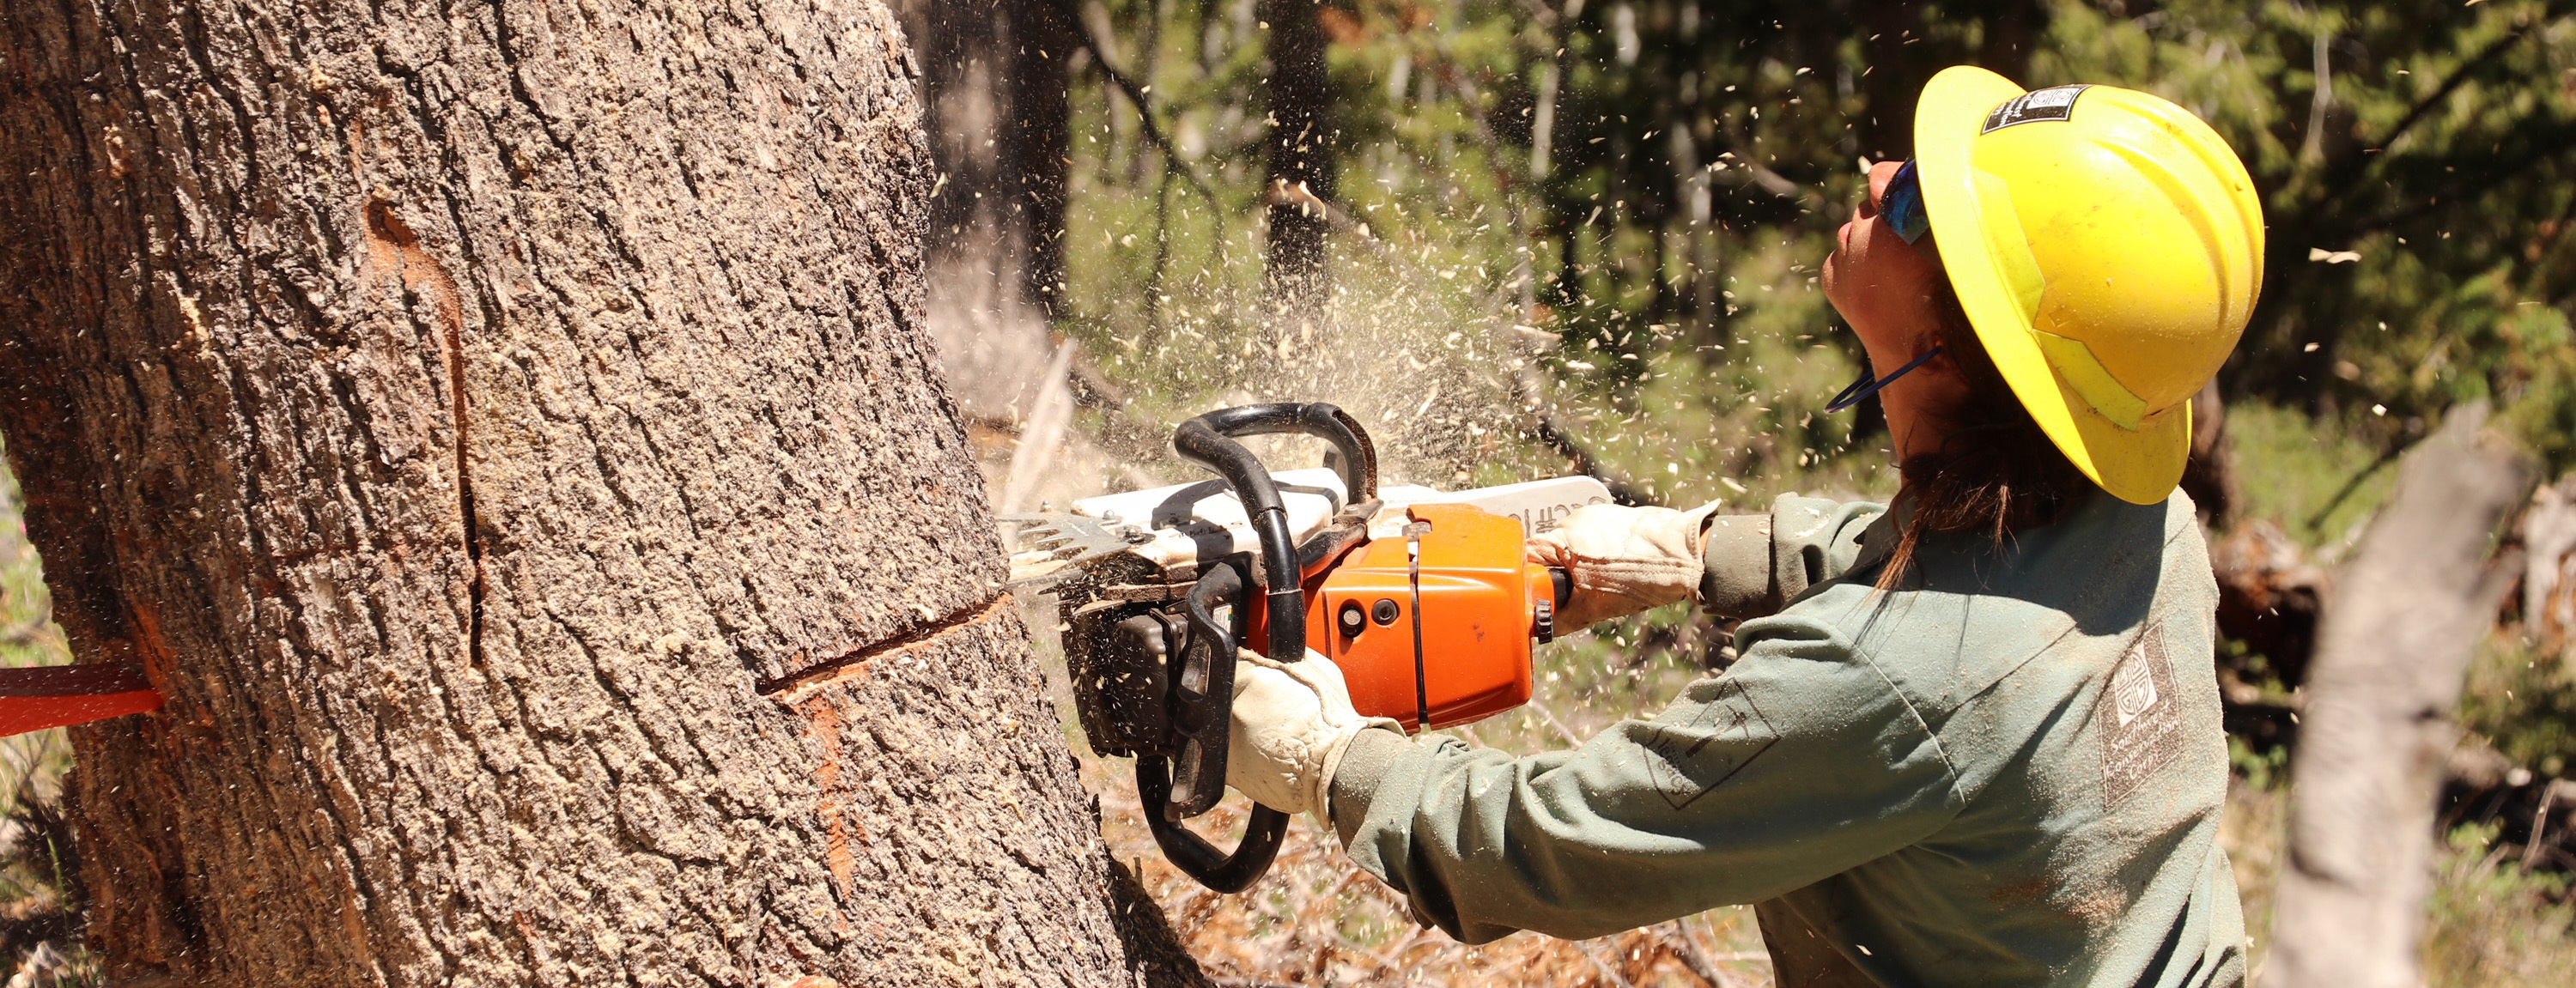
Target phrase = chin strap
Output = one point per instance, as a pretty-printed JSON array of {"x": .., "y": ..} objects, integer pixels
[{"x": 1868, "y": 385}]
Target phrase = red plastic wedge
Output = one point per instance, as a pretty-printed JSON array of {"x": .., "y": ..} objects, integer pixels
[{"x": 38, "y": 697}]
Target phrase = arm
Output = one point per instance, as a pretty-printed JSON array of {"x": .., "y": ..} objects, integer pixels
[
  {"x": 1754, "y": 565},
  {"x": 1799, "y": 763}
]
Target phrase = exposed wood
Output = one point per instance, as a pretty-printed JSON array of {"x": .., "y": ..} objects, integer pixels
[
  {"x": 2407, "y": 615},
  {"x": 463, "y": 414},
  {"x": 2549, "y": 571}
]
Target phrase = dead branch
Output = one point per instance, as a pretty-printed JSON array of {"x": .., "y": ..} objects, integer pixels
[{"x": 2394, "y": 649}]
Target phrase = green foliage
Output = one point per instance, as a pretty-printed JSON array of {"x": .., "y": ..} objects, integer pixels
[
  {"x": 2494, "y": 924},
  {"x": 27, "y": 633},
  {"x": 2524, "y": 702},
  {"x": 1654, "y": 183},
  {"x": 2317, "y": 480}
]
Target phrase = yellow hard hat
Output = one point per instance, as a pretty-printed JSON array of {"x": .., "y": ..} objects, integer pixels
[{"x": 2107, "y": 247}]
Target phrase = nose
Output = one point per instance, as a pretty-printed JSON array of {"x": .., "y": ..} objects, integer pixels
[{"x": 1879, "y": 175}]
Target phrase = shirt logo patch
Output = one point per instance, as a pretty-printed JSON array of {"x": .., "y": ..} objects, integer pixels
[
  {"x": 2052, "y": 103},
  {"x": 1697, "y": 751},
  {"x": 2139, "y": 718}
]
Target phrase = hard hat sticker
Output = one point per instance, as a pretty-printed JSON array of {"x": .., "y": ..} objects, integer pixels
[{"x": 2052, "y": 103}]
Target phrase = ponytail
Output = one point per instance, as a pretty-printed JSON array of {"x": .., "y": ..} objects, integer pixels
[{"x": 1995, "y": 472}]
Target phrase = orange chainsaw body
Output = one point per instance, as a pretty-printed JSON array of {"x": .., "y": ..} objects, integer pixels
[{"x": 1439, "y": 639}]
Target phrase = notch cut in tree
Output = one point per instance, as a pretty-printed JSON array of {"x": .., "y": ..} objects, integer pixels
[
  {"x": 2406, "y": 617},
  {"x": 505, "y": 436}
]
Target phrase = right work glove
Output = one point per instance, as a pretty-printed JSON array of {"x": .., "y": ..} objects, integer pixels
[{"x": 1623, "y": 560}]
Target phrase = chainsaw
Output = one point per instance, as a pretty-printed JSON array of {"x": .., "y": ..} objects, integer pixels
[{"x": 1422, "y": 598}]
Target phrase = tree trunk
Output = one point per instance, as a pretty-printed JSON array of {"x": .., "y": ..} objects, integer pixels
[
  {"x": 1302, "y": 171},
  {"x": 995, "y": 101},
  {"x": 2406, "y": 617},
  {"x": 504, "y": 434}
]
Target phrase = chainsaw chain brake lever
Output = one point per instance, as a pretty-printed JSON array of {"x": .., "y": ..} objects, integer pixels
[{"x": 1202, "y": 694}]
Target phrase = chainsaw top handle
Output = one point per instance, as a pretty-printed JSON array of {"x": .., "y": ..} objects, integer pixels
[
  {"x": 1209, "y": 441},
  {"x": 1312, "y": 418}
]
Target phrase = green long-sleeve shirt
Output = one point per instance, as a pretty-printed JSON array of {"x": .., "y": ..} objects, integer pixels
[{"x": 2007, "y": 772}]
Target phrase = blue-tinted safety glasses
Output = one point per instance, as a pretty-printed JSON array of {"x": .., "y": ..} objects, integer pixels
[{"x": 1902, "y": 204}]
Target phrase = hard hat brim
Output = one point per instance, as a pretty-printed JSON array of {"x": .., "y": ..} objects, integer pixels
[{"x": 2142, "y": 465}]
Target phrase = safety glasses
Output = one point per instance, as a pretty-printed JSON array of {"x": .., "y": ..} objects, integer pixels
[
  {"x": 1870, "y": 382},
  {"x": 1902, "y": 204}
]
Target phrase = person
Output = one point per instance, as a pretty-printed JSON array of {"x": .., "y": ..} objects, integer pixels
[{"x": 1973, "y": 737}]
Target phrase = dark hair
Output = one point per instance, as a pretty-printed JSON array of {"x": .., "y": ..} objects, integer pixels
[{"x": 1995, "y": 471}]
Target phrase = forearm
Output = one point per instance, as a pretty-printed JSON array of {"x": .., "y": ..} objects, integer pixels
[
  {"x": 1420, "y": 815},
  {"x": 1754, "y": 565},
  {"x": 1747, "y": 786}
]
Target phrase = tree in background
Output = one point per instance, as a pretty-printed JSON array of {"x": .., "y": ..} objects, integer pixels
[
  {"x": 505, "y": 436},
  {"x": 994, "y": 89},
  {"x": 1304, "y": 169}
]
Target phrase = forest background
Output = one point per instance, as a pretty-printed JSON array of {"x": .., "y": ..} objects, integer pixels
[{"x": 1528, "y": 237}]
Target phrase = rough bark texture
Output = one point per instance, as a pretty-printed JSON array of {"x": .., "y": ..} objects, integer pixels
[
  {"x": 504, "y": 433},
  {"x": 2406, "y": 616}
]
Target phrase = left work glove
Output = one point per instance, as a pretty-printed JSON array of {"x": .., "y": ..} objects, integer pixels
[
  {"x": 1292, "y": 721},
  {"x": 1624, "y": 560}
]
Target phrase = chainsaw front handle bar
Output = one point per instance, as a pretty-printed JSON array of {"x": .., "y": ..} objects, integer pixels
[
  {"x": 1208, "y": 441},
  {"x": 1329, "y": 423}
]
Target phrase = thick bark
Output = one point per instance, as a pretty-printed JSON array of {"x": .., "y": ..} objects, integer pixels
[
  {"x": 2406, "y": 616},
  {"x": 1302, "y": 169},
  {"x": 504, "y": 434}
]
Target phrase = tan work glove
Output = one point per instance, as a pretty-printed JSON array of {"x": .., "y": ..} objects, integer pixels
[
  {"x": 1292, "y": 721},
  {"x": 1623, "y": 560}
]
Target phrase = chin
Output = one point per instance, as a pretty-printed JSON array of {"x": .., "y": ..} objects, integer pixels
[{"x": 1829, "y": 280}]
